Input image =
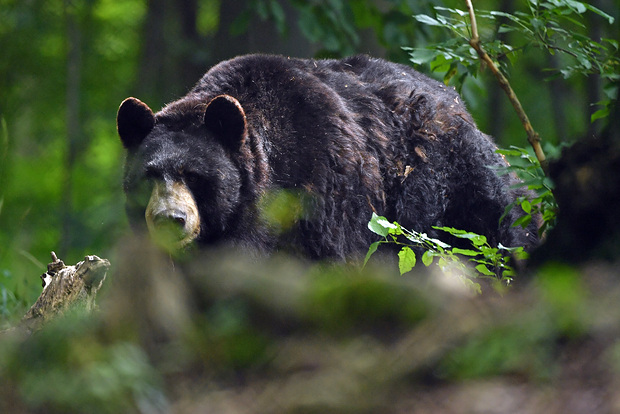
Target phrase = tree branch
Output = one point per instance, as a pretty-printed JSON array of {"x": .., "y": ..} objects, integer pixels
[{"x": 532, "y": 136}]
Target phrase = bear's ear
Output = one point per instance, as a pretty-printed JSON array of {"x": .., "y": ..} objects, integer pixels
[
  {"x": 225, "y": 117},
  {"x": 134, "y": 121}
]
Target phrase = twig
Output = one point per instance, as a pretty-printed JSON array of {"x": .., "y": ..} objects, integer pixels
[{"x": 532, "y": 136}]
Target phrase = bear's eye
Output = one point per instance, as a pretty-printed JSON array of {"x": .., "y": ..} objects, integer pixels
[
  {"x": 191, "y": 177},
  {"x": 152, "y": 174}
]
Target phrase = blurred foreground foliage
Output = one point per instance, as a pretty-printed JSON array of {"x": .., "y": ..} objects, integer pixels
[{"x": 224, "y": 333}]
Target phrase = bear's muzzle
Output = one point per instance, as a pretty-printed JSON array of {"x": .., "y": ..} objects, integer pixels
[{"x": 172, "y": 215}]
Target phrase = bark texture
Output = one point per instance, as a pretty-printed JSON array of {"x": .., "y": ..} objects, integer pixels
[{"x": 65, "y": 287}]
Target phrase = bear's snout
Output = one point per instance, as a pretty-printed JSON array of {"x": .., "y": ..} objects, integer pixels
[{"x": 172, "y": 215}]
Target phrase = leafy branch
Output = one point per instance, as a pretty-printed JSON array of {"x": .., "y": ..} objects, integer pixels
[
  {"x": 532, "y": 136},
  {"x": 482, "y": 259},
  {"x": 552, "y": 25}
]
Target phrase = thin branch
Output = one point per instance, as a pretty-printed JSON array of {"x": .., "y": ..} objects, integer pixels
[
  {"x": 472, "y": 19},
  {"x": 532, "y": 136}
]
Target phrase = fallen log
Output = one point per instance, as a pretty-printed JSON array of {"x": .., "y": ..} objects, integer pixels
[{"x": 65, "y": 287}]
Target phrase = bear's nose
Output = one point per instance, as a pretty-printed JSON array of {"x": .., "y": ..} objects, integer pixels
[{"x": 170, "y": 217}]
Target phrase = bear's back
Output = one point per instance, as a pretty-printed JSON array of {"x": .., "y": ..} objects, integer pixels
[{"x": 263, "y": 78}]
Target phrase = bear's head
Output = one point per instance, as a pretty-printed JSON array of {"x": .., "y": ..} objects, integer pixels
[{"x": 182, "y": 172}]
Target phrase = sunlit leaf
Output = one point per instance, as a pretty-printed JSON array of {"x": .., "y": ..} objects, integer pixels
[
  {"x": 427, "y": 258},
  {"x": 423, "y": 18},
  {"x": 526, "y": 206},
  {"x": 461, "y": 13},
  {"x": 484, "y": 270},
  {"x": 476, "y": 239},
  {"x": 378, "y": 225},
  {"x": 465, "y": 252},
  {"x": 406, "y": 260}
]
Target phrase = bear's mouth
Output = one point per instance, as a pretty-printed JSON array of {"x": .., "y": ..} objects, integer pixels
[{"x": 172, "y": 215}]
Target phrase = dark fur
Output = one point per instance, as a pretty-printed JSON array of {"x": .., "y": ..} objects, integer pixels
[{"x": 358, "y": 135}]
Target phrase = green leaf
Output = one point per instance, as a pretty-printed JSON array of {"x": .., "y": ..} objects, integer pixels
[
  {"x": 377, "y": 225},
  {"x": 373, "y": 248},
  {"x": 506, "y": 29},
  {"x": 440, "y": 64},
  {"x": 509, "y": 273},
  {"x": 537, "y": 23},
  {"x": 601, "y": 13},
  {"x": 465, "y": 252},
  {"x": 461, "y": 13},
  {"x": 526, "y": 206},
  {"x": 423, "y": 18},
  {"x": 601, "y": 113},
  {"x": 436, "y": 242},
  {"x": 476, "y": 239},
  {"x": 421, "y": 56},
  {"x": 450, "y": 74},
  {"x": 427, "y": 258},
  {"x": 577, "y": 6},
  {"x": 520, "y": 254},
  {"x": 406, "y": 260},
  {"x": 484, "y": 270},
  {"x": 501, "y": 14},
  {"x": 509, "y": 152},
  {"x": 381, "y": 226}
]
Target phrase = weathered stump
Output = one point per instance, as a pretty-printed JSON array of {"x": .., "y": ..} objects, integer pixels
[{"x": 65, "y": 287}]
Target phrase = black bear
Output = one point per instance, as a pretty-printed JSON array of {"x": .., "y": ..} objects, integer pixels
[{"x": 354, "y": 136}]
